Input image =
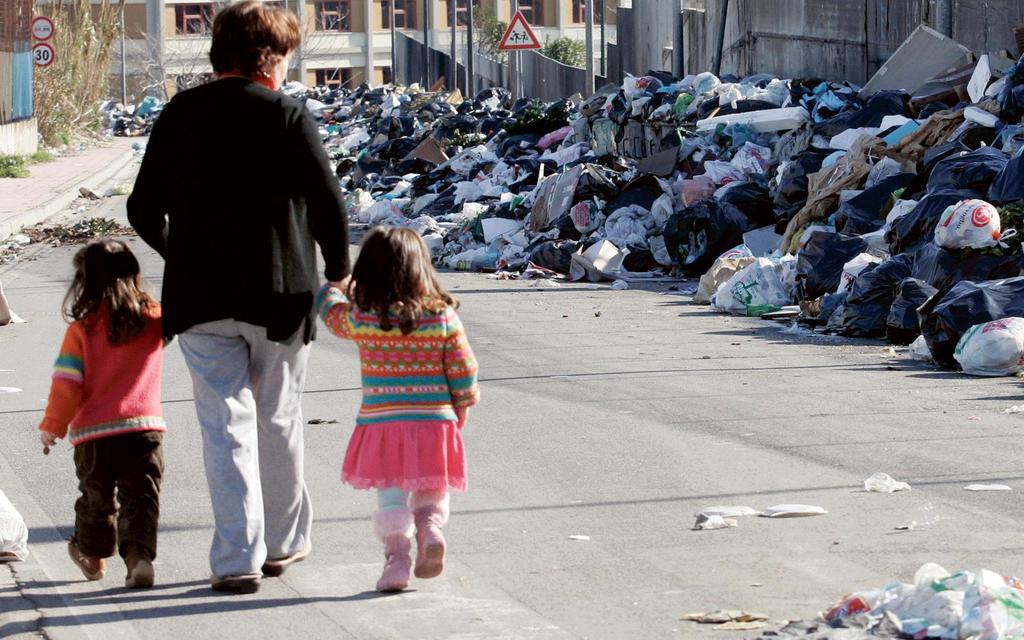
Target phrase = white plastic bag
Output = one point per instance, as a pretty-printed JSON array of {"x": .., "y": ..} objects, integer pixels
[
  {"x": 755, "y": 290},
  {"x": 994, "y": 348},
  {"x": 854, "y": 268},
  {"x": 970, "y": 224},
  {"x": 13, "y": 532}
]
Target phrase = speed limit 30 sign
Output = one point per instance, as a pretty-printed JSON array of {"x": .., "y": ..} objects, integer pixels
[{"x": 42, "y": 54}]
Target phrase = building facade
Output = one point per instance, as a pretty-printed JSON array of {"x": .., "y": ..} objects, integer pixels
[
  {"x": 17, "y": 124},
  {"x": 345, "y": 43}
]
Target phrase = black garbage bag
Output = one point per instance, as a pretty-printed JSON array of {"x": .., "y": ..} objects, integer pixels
[
  {"x": 594, "y": 183},
  {"x": 397, "y": 126},
  {"x": 947, "y": 315},
  {"x": 917, "y": 228},
  {"x": 863, "y": 213},
  {"x": 696, "y": 236},
  {"x": 1009, "y": 184},
  {"x": 931, "y": 109},
  {"x": 974, "y": 170},
  {"x": 792, "y": 189},
  {"x": 753, "y": 200},
  {"x": 527, "y": 141},
  {"x": 902, "y": 325},
  {"x": 555, "y": 255},
  {"x": 1011, "y": 97},
  {"x": 942, "y": 268},
  {"x": 642, "y": 191},
  {"x": 620, "y": 109},
  {"x": 640, "y": 260},
  {"x": 881, "y": 104},
  {"x": 872, "y": 295},
  {"x": 819, "y": 265}
]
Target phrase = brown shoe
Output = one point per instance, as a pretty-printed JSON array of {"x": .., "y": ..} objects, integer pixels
[
  {"x": 275, "y": 567},
  {"x": 249, "y": 583},
  {"x": 140, "y": 571},
  {"x": 92, "y": 568}
]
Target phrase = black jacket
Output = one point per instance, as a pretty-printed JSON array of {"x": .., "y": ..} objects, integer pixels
[{"x": 234, "y": 192}]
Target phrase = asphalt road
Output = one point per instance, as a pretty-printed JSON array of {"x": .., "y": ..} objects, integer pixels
[{"x": 614, "y": 415}]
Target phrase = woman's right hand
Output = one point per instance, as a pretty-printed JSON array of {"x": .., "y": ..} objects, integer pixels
[
  {"x": 461, "y": 415},
  {"x": 341, "y": 285}
]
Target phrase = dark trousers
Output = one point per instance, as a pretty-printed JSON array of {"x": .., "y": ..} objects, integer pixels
[{"x": 119, "y": 477}]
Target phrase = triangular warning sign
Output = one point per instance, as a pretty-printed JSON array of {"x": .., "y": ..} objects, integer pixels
[{"x": 519, "y": 36}]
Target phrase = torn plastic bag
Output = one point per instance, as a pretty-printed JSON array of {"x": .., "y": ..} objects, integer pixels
[
  {"x": 757, "y": 289},
  {"x": 942, "y": 268},
  {"x": 1011, "y": 97},
  {"x": 700, "y": 233},
  {"x": 857, "y": 265},
  {"x": 872, "y": 297},
  {"x": 1008, "y": 186},
  {"x": 917, "y": 228},
  {"x": 975, "y": 170},
  {"x": 753, "y": 200},
  {"x": 629, "y": 226},
  {"x": 555, "y": 255},
  {"x": 641, "y": 192},
  {"x": 902, "y": 325},
  {"x": 863, "y": 213},
  {"x": 720, "y": 272},
  {"x": 971, "y": 224},
  {"x": 692, "y": 191},
  {"x": 993, "y": 349},
  {"x": 879, "y": 105},
  {"x": 819, "y": 264},
  {"x": 947, "y": 316}
]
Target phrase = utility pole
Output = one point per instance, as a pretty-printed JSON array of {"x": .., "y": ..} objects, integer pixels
[
  {"x": 394, "y": 39},
  {"x": 604, "y": 46},
  {"x": 426, "y": 44},
  {"x": 588, "y": 12},
  {"x": 453, "y": 84},
  {"x": 944, "y": 17},
  {"x": 717, "y": 64},
  {"x": 124, "y": 70},
  {"x": 471, "y": 80}
]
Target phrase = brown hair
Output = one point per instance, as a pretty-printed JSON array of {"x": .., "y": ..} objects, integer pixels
[
  {"x": 250, "y": 37},
  {"x": 107, "y": 272},
  {"x": 394, "y": 275}
]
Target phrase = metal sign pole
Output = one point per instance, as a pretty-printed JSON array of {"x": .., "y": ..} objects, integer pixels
[
  {"x": 394, "y": 53},
  {"x": 124, "y": 70},
  {"x": 453, "y": 82},
  {"x": 470, "y": 79},
  {"x": 589, "y": 38},
  {"x": 426, "y": 45}
]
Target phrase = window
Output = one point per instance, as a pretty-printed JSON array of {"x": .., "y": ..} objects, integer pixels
[
  {"x": 387, "y": 75},
  {"x": 579, "y": 15},
  {"x": 405, "y": 14},
  {"x": 533, "y": 11},
  {"x": 193, "y": 19},
  {"x": 461, "y": 12},
  {"x": 333, "y": 77},
  {"x": 334, "y": 15}
]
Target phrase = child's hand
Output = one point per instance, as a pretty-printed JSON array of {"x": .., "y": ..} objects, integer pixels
[
  {"x": 341, "y": 285},
  {"x": 462, "y": 414},
  {"x": 48, "y": 440}
]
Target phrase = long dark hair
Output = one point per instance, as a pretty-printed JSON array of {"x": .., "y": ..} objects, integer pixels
[
  {"x": 393, "y": 275},
  {"x": 107, "y": 273}
]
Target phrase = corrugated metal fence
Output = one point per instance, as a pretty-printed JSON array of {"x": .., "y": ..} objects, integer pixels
[
  {"x": 15, "y": 60},
  {"x": 541, "y": 77},
  {"x": 831, "y": 39}
]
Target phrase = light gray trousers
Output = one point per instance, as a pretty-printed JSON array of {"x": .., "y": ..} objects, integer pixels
[{"x": 248, "y": 393}]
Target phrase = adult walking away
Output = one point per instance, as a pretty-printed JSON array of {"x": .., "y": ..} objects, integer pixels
[{"x": 235, "y": 191}]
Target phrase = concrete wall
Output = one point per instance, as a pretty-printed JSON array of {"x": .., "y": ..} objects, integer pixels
[{"x": 19, "y": 138}]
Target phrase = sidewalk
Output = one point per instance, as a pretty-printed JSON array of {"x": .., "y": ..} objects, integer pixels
[{"x": 52, "y": 186}]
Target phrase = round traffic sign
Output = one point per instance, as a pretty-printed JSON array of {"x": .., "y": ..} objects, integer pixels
[
  {"x": 42, "y": 28},
  {"x": 42, "y": 54}
]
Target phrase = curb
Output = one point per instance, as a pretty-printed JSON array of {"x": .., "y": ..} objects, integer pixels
[{"x": 60, "y": 202}]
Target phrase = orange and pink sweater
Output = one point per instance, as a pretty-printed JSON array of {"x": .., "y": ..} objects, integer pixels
[{"x": 101, "y": 389}]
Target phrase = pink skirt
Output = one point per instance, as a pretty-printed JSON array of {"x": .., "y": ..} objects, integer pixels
[{"x": 413, "y": 456}]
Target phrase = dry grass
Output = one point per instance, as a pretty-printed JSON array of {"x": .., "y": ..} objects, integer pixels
[{"x": 68, "y": 92}]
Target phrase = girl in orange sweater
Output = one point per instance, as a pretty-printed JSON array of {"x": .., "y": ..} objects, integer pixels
[{"x": 105, "y": 398}]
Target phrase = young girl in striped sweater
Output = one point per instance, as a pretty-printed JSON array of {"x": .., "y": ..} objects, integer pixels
[
  {"x": 105, "y": 398},
  {"x": 419, "y": 380}
]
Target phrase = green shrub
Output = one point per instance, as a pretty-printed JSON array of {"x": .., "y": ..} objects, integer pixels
[
  {"x": 566, "y": 50},
  {"x": 13, "y": 167}
]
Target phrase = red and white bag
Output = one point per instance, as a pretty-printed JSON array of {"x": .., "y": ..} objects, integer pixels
[{"x": 971, "y": 224}]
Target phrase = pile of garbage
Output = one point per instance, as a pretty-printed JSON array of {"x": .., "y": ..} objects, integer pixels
[
  {"x": 132, "y": 120},
  {"x": 867, "y": 212},
  {"x": 982, "y": 605}
]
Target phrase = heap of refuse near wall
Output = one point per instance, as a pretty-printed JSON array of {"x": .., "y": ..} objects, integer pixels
[{"x": 880, "y": 213}]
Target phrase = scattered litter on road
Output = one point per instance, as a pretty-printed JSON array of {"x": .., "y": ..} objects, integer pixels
[
  {"x": 580, "y": 538},
  {"x": 793, "y": 511},
  {"x": 1017, "y": 408},
  {"x": 321, "y": 421},
  {"x": 10, "y": 390},
  {"x": 13, "y": 532},
  {"x": 729, "y": 620},
  {"x": 707, "y": 522},
  {"x": 988, "y": 487},
  {"x": 884, "y": 483},
  {"x": 728, "y": 512}
]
